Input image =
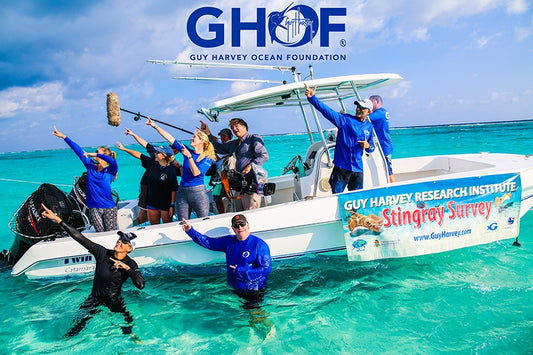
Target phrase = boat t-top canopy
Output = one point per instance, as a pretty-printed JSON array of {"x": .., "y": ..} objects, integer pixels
[{"x": 327, "y": 89}]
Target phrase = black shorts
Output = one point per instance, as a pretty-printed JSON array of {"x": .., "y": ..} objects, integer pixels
[{"x": 143, "y": 191}]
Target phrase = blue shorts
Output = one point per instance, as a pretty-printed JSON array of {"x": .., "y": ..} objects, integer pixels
[{"x": 152, "y": 208}]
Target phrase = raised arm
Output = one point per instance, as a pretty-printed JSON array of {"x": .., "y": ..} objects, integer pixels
[
  {"x": 216, "y": 244},
  {"x": 331, "y": 115},
  {"x": 139, "y": 140},
  {"x": 131, "y": 152},
  {"x": 58, "y": 134},
  {"x": 169, "y": 137},
  {"x": 75, "y": 147},
  {"x": 73, "y": 232},
  {"x": 109, "y": 160}
]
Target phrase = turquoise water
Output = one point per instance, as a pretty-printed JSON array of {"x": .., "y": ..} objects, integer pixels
[{"x": 474, "y": 300}]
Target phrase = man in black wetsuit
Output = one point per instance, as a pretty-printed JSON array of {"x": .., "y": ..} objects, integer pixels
[{"x": 113, "y": 268}]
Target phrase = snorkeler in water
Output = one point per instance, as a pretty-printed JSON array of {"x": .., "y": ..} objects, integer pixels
[{"x": 113, "y": 268}]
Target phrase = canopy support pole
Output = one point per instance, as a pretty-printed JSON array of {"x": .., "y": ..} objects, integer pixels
[{"x": 305, "y": 117}]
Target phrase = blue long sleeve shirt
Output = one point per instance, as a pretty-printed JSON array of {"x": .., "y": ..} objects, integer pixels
[
  {"x": 98, "y": 186},
  {"x": 380, "y": 121},
  {"x": 348, "y": 151},
  {"x": 252, "y": 257}
]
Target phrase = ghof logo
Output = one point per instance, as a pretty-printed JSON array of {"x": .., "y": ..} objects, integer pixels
[
  {"x": 245, "y": 254},
  {"x": 293, "y": 27}
]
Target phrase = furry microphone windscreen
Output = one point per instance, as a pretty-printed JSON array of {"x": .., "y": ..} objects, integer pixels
[{"x": 113, "y": 109}]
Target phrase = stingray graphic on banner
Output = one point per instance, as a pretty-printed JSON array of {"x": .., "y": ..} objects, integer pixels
[{"x": 430, "y": 217}]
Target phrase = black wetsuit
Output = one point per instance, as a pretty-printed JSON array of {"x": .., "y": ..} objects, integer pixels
[{"x": 108, "y": 280}]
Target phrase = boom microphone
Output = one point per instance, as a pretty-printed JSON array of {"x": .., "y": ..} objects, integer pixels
[
  {"x": 113, "y": 109},
  {"x": 113, "y": 113}
]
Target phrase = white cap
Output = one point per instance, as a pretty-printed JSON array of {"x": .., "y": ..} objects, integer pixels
[{"x": 366, "y": 103}]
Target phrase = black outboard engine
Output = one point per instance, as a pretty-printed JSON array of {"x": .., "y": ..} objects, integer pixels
[{"x": 31, "y": 227}]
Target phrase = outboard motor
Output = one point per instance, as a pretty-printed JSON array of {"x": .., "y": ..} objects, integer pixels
[{"x": 30, "y": 227}]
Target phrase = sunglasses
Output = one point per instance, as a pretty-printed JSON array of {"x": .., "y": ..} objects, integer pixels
[{"x": 239, "y": 224}]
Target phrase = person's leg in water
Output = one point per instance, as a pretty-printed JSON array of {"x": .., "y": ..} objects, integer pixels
[
  {"x": 87, "y": 309},
  {"x": 119, "y": 306},
  {"x": 252, "y": 301}
]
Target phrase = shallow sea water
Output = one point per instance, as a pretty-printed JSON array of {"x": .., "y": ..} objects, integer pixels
[{"x": 473, "y": 300}]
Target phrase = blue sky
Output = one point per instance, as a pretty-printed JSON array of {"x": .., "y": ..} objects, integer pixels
[{"x": 461, "y": 62}]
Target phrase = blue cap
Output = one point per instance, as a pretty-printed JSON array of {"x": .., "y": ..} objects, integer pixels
[{"x": 165, "y": 150}]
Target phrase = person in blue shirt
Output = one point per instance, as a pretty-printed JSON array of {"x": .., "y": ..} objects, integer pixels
[
  {"x": 197, "y": 159},
  {"x": 354, "y": 137},
  {"x": 248, "y": 260},
  {"x": 102, "y": 170},
  {"x": 380, "y": 120}
]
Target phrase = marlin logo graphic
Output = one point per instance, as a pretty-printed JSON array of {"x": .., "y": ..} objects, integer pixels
[{"x": 295, "y": 25}]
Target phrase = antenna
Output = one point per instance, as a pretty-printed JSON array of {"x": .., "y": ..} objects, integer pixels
[
  {"x": 225, "y": 65},
  {"x": 230, "y": 79}
]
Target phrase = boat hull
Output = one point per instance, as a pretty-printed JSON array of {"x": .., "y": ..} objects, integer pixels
[{"x": 290, "y": 229}]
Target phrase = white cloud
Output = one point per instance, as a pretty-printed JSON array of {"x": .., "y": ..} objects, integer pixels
[
  {"x": 522, "y": 33},
  {"x": 482, "y": 40},
  {"x": 399, "y": 90},
  {"x": 179, "y": 107},
  {"x": 517, "y": 7},
  {"x": 240, "y": 87},
  {"x": 35, "y": 99}
]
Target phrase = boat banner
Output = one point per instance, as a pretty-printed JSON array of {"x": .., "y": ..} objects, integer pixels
[{"x": 430, "y": 217}]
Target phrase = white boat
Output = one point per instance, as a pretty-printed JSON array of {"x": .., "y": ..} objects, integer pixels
[{"x": 439, "y": 203}]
